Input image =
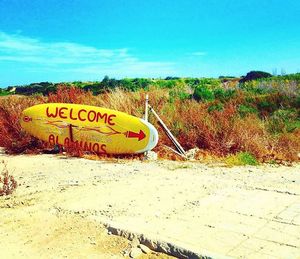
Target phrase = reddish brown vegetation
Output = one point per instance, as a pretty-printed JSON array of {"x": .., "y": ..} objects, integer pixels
[
  {"x": 13, "y": 138},
  {"x": 9, "y": 184},
  {"x": 217, "y": 131},
  {"x": 66, "y": 94},
  {"x": 221, "y": 132}
]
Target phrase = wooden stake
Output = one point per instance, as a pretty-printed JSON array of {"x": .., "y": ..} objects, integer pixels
[
  {"x": 146, "y": 107},
  {"x": 146, "y": 114}
]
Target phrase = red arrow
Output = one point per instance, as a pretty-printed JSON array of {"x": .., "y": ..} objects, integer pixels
[{"x": 141, "y": 135}]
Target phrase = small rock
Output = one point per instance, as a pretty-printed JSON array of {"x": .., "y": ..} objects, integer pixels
[
  {"x": 134, "y": 241},
  {"x": 135, "y": 252},
  {"x": 152, "y": 244},
  {"x": 144, "y": 249},
  {"x": 164, "y": 247},
  {"x": 150, "y": 156},
  {"x": 190, "y": 154}
]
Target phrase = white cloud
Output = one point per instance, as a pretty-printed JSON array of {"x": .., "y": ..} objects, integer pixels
[
  {"x": 199, "y": 53},
  {"x": 76, "y": 58}
]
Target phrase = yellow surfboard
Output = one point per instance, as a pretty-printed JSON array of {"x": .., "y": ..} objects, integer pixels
[{"x": 94, "y": 129}]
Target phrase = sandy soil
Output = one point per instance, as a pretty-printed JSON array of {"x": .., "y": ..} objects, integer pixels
[
  {"x": 31, "y": 225},
  {"x": 60, "y": 204}
]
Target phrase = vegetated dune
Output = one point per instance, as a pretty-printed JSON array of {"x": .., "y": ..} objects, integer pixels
[
  {"x": 254, "y": 121},
  {"x": 60, "y": 201}
]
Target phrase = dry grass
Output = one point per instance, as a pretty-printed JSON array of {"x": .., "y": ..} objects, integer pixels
[
  {"x": 220, "y": 132},
  {"x": 9, "y": 184},
  {"x": 288, "y": 146},
  {"x": 13, "y": 138}
]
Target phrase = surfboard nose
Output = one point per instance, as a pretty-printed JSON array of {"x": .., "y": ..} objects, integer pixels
[{"x": 153, "y": 138}]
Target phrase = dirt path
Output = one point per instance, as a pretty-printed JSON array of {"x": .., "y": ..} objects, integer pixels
[
  {"x": 61, "y": 205},
  {"x": 32, "y": 226}
]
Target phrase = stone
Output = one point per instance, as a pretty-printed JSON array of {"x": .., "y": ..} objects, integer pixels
[
  {"x": 150, "y": 156},
  {"x": 135, "y": 242},
  {"x": 135, "y": 252},
  {"x": 190, "y": 154},
  {"x": 144, "y": 249},
  {"x": 152, "y": 244}
]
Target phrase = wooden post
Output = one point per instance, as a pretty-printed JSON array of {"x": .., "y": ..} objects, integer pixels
[
  {"x": 146, "y": 107},
  {"x": 146, "y": 114},
  {"x": 168, "y": 132}
]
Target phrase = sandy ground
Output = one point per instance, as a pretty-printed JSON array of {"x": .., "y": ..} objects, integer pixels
[
  {"x": 33, "y": 226},
  {"x": 59, "y": 209}
]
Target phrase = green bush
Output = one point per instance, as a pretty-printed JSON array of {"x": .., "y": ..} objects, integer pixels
[
  {"x": 223, "y": 94},
  {"x": 297, "y": 102},
  {"x": 266, "y": 106},
  {"x": 216, "y": 107},
  {"x": 203, "y": 94},
  {"x": 241, "y": 158},
  {"x": 254, "y": 88},
  {"x": 246, "y": 109},
  {"x": 170, "y": 84},
  {"x": 3, "y": 92},
  {"x": 283, "y": 120}
]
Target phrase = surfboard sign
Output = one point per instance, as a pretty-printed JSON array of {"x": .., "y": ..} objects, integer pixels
[{"x": 94, "y": 129}]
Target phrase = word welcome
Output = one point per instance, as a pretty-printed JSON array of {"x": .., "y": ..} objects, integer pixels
[
  {"x": 83, "y": 145},
  {"x": 82, "y": 115}
]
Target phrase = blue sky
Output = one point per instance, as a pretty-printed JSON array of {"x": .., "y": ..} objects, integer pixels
[{"x": 56, "y": 40}]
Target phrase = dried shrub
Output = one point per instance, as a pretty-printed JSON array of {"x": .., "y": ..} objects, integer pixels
[
  {"x": 67, "y": 94},
  {"x": 13, "y": 138},
  {"x": 164, "y": 152},
  {"x": 222, "y": 132},
  {"x": 288, "y": 146},
  {"x": 129, "y": 102},
  {"x": 221, "y": 127},
  {"x": 249, "y": 135},
  {"x": 9, "y": 184},
  {"x": 74, "y": 150}
]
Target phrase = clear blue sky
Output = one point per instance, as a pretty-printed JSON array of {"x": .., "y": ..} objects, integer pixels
[{"x": 56, "y": 40}]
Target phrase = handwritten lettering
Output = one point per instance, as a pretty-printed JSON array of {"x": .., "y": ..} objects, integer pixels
[
  {"x": 84, "y": 145},
  {"x": 91, "y": 116},
  {"x": 82, "y": 115},
  {"x": 79, "y": 114},
  {"x": 53, "y": 115},
  {"x": 61, "y": 112},
  {"x": 71, "y": 115},
  {"x": 110, "y": 117}
]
